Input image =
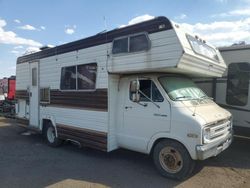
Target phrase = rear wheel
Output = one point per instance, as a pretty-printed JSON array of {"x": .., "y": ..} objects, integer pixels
[
  {"x": 50, "y": 135},
  {"x": 172, "y": 159}
]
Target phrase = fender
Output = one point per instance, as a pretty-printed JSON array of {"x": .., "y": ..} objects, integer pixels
[
  {"x": 167, "y": 136},
  {"x": 52, "y": 119}
]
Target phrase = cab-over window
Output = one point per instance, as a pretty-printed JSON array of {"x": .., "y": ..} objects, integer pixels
[{"x": 133, "y": 43}]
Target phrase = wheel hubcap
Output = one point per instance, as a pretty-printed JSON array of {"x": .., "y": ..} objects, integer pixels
[
  {"x": 51, "y": 134},
  {"x": 170, "y": 160}
]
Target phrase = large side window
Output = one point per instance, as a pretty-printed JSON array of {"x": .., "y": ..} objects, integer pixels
[
  {"x": 120, "y": 46},
  {"x": 133, "y": 43},
  {"x": 86, "y": 76},
  {"x": 149, "y": 91},
  {"x": 79, "y": 77},
  {"x": 68, "y": 78},
  {"x": 238, "y": 84},
  {"x": 138, "y": 43}
]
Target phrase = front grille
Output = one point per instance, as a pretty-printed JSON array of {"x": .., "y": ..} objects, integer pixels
[{"x": 219, "y": 128}]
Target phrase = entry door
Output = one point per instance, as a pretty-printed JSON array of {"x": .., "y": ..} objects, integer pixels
[
  {"x": 34, "y": 95},
  {"x": 143, "y": 120}
]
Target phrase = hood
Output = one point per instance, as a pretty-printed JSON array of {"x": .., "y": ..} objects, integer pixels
[{"x": 210, "y": 112}]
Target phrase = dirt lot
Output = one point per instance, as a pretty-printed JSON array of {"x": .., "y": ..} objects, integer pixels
[{"x": 26, "y": 161}]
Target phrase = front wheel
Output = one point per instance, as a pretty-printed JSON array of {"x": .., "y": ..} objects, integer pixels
[
  {"x": 50, "y": 135},
  {"x": 172, "y": 159}
]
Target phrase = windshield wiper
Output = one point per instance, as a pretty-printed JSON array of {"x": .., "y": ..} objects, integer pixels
[{"x": 183, "y": 97}]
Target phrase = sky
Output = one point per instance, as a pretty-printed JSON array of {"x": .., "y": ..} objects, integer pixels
[{"x": 27, "y": 25}]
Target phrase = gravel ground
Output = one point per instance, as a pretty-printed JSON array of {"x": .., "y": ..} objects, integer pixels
[{"x": 26, "y": 161}]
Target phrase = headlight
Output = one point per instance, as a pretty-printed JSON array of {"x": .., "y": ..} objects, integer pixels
[{"x": 206, "y": 134}]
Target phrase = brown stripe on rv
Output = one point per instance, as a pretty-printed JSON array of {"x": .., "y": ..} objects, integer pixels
[
  {"x": 22, "y": 94},
  {"x": 95, "y": 100},
  {"x": 86, "y": 137}
]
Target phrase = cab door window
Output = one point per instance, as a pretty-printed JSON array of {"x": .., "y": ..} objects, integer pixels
[{"x": 148, "y": 90}]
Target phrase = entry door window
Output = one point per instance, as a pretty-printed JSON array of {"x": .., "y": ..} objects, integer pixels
[
  {"x": 238, "y": 84},
  {"x": 34, "y": 76}
]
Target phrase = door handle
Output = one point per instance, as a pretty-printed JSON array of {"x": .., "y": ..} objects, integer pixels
[{"x": 128, "y": 107}]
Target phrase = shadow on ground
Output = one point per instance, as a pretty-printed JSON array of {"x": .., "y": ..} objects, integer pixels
[{"x": 26, "y": 161}]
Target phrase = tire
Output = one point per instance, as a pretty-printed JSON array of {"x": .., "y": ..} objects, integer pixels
[
  {"x": 50, "y": 136},
  {"x": 172, "y": 160}
]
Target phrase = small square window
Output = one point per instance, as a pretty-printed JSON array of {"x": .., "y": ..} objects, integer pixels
[{"x": 45, "y": 95}]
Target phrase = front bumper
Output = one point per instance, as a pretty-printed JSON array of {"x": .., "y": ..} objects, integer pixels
[{"x": 213, "y": 149}]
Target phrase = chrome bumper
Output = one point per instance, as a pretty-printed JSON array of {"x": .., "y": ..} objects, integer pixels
[{"x": 213, "y": 149}]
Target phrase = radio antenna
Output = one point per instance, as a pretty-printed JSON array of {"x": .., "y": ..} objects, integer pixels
[{"x": 106, "y": 41}]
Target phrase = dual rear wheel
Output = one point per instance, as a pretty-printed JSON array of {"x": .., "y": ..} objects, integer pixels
[{"x": 50, "y": 135}]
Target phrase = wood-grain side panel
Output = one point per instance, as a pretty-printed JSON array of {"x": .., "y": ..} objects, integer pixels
[{"x": 89, "y": 138}]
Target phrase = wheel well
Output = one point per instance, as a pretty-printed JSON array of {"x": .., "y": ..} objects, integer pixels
[
  {"x": 160, "y": 139},
  {"x": 45, "y": 123}
]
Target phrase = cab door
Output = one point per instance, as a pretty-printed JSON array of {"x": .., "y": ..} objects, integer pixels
[{"x": 141, "y": 120}]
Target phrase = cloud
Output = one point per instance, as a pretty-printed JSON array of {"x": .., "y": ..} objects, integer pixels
[
  {"x": 32, "y": 49},
  {"x": 221, "y": 1},
  {"x": 138, "y": 19},
  {"x": 181, "y": 17},
  {"x": 18, "y": 47},
  {"x": 28, "y": 27},
  {"x": 70, "y": 29},
  {"x": 240, "y": 12},
  {"x": 236, "y": 12},
  {"x": 13, "y": 68},
  {"x": 221, "y": 33},
  {"x": 9, "y": 37},
  {"x": 51, "y": 45},
  {"x": 17, "y": 21},
  {"x": 15, "y": 52},
  {"x": 19, "y": 50},
  {"x": 42, "y": 27}
]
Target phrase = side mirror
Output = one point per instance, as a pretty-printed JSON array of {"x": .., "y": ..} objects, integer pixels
[
  {"x": 134, "y": 86},
  {"x": 136, "y": 97}
]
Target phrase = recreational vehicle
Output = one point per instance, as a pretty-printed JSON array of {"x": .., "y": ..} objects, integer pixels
[
  {"x": 231, "y": 91},
  {"x": 127, "y": 88}
]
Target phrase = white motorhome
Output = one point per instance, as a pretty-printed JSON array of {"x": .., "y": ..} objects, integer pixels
[
  {"x": 127, "y": 88},
  {"x": 231, "y": 91}
]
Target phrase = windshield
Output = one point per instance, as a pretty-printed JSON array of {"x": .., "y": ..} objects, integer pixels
[{"x": 181, "y": 88}]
